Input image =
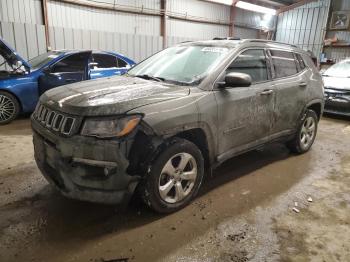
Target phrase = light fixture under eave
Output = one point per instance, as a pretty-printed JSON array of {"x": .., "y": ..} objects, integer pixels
[
  {"x": 224, "y": 2},
  {"x": 255, "y": 8}
]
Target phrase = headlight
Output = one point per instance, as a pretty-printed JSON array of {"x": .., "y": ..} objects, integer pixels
[{"x": 109, "y": 127}]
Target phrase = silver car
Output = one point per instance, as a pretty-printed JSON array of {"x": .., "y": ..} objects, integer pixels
[
  {"x": 174, "y": 116},
  {"x": 337, "y": 88}
]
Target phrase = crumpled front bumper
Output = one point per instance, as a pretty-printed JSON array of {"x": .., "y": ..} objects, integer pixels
[
  {"x": 84, "y": 168},
  {"x": 337, "y": 105}
]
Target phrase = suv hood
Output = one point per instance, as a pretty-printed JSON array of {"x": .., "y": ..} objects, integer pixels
[
  {"x": 110, "y": 96},
  {"x": 11, "y": 56},
  {"x": 342, "y": 83}
]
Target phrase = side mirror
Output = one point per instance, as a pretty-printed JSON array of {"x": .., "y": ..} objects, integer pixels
[{"x": 236, "y": 80}]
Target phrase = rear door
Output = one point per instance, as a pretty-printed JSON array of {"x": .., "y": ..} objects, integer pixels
[
  {"x": 290, "y": 82},
  {"x": 70, "y": 69},
  {"x": 104, "y": 65},
  {"x": 245, "y": 113}
]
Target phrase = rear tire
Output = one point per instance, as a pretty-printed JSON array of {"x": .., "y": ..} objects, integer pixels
[
  {"x": 174, "y": 178},
  {"x": 9, "y": 108},
  {"x": 306, "y": 134}
]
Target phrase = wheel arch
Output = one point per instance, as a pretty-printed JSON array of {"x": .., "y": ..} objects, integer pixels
[
  {"x": 198, "y": 137},
  {"x": 317, "y": 108}
]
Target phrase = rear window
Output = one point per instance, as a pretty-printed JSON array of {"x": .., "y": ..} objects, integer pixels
[{"x": 283, "y": 63}]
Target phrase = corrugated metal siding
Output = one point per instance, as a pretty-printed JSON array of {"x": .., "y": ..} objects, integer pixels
[
  {"x": 247, "y": 33},
  {"x": 193, "y": 30},
  {"x": 21, "y": 11},
  {"x": 27, "y": 39},
  {"x": 245, "y": 18},
  {"x": 304, "y": 26},
  {"x": 211, "y": 11},
  {"x": 136, "y": 47},
  {"x": 80, "y": 17}
]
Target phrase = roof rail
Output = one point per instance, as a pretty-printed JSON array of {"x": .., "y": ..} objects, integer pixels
[
  {"x": 268, "y": 41},
  {"x": 226, "y": 38}
]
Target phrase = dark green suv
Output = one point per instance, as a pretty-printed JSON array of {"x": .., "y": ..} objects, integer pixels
[{"x": 180, "y": 112}]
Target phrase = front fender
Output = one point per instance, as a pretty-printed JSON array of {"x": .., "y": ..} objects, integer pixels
[
  {"x": 170, "y": 118},
  {"x": 24, "y": 88}
]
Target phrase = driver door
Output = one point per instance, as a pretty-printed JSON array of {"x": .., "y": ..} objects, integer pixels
[
  {"x": 73, "y": 68},
  {"x": 245, "y": 113}
]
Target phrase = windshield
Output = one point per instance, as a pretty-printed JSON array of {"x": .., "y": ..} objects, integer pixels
[
  {"x": 43, "y": 59},
  {"x": 181, "y": 64},
  {"x": 341, "y": 69}
]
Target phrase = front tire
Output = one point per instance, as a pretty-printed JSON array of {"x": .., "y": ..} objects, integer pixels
[
  {"x": 9, "y": 108},
  {"x": 306, "y": 134},
  {"x": 174, "y": 177}
]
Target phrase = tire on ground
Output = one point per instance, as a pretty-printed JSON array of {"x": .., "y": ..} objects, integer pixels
[
  {"x": 295, "y": 145},
  {"x": 149, "y": 188}
]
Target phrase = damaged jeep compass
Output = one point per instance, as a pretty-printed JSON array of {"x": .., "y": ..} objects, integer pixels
[{"x": 178, "y": 113}]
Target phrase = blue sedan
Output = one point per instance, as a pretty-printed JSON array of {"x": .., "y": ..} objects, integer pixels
[{"x": 23, "y": 83}]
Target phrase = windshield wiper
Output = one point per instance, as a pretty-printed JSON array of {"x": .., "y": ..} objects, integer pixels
[{"x": 149, "y": 77}]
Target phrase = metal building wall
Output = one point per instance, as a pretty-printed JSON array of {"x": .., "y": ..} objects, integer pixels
[
  {"x": 248, "y": 23},
  {"x": 27, "y": 39},
  {"x": 21, "y": 11},
  {"x": 195, "y": 30},
  {"x": 136, "y": 47},
  {"x": 339, "y": 53},
  {"x": 247, "y": 33},
  {"x": 137, "y": 36},
  {"x": 304, "y": 26},
  {"x": 80, "y": 17},
  {"x": 248, "y": 19}
]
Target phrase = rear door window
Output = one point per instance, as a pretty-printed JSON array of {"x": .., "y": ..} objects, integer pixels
[
  {"x": 283, "y": 63},
  {"x": 251, "y": 62},
  {"x": 104, "y": 61}
]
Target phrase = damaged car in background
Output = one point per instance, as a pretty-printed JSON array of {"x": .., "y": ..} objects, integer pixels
[
  {"x": 177, "y": 114},
  {"x": 22, "y": 83},
  {"x": 337, "y": 88}
]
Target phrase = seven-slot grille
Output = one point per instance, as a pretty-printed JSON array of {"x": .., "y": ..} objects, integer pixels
[{"x": 54, "y": 120}]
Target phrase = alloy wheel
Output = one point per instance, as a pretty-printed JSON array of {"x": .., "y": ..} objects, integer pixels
[
  {"x": 7, "y": 108},
  {"x": 177, "y": 178},
  {"x": 307, "y": 133}
]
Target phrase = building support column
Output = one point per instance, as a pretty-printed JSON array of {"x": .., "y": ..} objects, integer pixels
[
  {"x": 163, "y": 22},
  {"x": 232, "y": 18},
  {"x": 46, "y": 24}
]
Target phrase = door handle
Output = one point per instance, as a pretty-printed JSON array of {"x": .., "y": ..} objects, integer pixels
[
  {"x": 70, "y": 80},
  {"x": 266, "y": 92},
  {"x": 302, "y": 84}
]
